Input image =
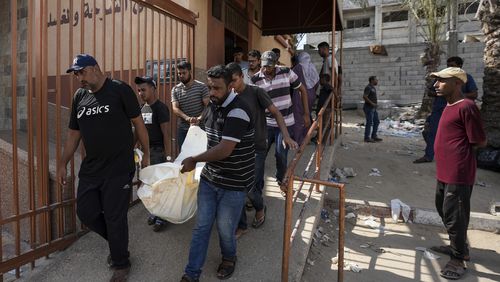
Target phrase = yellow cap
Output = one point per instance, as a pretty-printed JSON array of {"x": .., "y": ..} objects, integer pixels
[{"x": 451, "y": 72}]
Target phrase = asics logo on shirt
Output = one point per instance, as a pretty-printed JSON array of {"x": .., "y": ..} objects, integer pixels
[{"x": 92, "y": 111}]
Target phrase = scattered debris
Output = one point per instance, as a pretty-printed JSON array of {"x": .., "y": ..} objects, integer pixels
[
  {"x": 335, "y": 260},
  {"x": 324, "y": 214},
  {"x": 481, "y": 183},
  {"x": 427, "y": 253},
  {"x": 310, "y": 261},
  {"x": 368, "y": 186},
  {"x": 495, "y": 208},
  {"x": 352, "y": 267},
  {"x": 364, "y": 246},
  {"x": 340, "y": 175},
  {"x": 431, "y": 256},
  {"x": 350, "y": 215},
  {"x": 370, "y": 222},
  {"x": 396, "y": 207},
  {"x": 336, "y": 212},
  {"x": 375, "y": 172}
]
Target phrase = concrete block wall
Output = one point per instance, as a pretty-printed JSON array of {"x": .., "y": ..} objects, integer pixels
[{"x": 401, "y": 76}]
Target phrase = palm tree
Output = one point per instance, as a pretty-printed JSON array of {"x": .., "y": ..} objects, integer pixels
[
  {"x": 489, "y": 15},
  {"x": 430, "y": 18}
]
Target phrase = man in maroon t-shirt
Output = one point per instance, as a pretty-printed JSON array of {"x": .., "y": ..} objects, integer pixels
[{"x": 459, "y": 133}]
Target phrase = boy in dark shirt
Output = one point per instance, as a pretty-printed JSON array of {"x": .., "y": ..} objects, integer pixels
[{"x": 156, "y": 117}]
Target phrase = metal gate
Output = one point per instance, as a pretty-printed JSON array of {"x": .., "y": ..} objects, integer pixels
[{"x": 39, "y": 39}]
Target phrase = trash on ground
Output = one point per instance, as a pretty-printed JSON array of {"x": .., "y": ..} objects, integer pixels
[
  {"x": 352, "y": 267},
  {"x": 369, "y": 186},
  {"x": 350, "y": 215},
  {"x": 364, "y": 246},
  {"x": 375, "y": 172},
  {"x": 370, "y": 222},
  {"x": 335, "y": 260},
  {"x": 324, "y": 214},
  {"x": 396, "y": 207},
  {"x": 427, "y": 253},
  {"x": 341, "y": 174},
  {"x": 310, "y": 261},
  {"x": 336, "y": 213},
  {"x": 495, "y": 208},
  {"x": 481, "y": 183}
]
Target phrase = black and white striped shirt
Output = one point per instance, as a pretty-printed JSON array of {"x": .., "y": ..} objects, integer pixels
[
  {"x": 190, "y": 99},
  {"x": 231, "y": 121}
]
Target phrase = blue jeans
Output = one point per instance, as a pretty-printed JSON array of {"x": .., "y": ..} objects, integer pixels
[
  {"x": 181, "y": 136},
  {"x": 371, "y": 121},
  {"x": 224, "y": 207},
  {"x": 255, "y": 194},
  {"x": 274, "y": 135}
]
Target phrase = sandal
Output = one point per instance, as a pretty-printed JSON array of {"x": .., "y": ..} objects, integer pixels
[
  {"x": 257, "y": 222},
  {"x": 447, "y": 251},
  {"x": 226, "y": 268},
  {"x": 453, "y": 270}
]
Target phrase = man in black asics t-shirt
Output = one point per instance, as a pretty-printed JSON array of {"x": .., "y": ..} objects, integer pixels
[
  {"x": 156, "y": 117},
  {"x": 101, "y": 115}
]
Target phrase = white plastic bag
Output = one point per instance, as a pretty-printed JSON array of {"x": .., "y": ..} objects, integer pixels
[{"x": 166, "y": 192}]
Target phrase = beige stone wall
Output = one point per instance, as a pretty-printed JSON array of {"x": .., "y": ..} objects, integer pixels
[{"x": 265, "y": 43}]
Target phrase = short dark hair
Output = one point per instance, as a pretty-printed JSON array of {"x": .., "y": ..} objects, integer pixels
[
  {"x": 323, "y": 44},
  {"x": 184, "y": 65},
  {"x": 254, "y": 53},
  {"x": 234, "y": 68},
  {"x": 220, "y": 71},
  {"x": 457, "y": 60},
  {"x": 372, "y": 78},
  {"x": 237, "y": 49},
  {"x": 276, "y": 51}
]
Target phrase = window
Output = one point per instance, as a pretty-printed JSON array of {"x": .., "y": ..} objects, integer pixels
[
  {"x": 396, "y": 16},
  {"x": 468, "y": 8},
  {"x": 358, "y": 23}
]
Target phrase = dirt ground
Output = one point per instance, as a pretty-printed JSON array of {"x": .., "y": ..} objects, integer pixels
[{"x": 390, "y": 254}]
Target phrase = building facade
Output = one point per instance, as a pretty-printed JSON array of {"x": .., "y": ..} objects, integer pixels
[{"x": 401, "y": 75}]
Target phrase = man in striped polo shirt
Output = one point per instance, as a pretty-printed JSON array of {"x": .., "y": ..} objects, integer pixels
[
  {"x": 276, "y": 81},
  {"x": 227, "y": 175},
  {"x": 189, "y": 99}
]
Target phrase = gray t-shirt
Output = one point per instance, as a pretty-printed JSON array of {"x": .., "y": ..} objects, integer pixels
[
  {"x": 371, "y": 93},
  {"x": 190, "y": 99},
  {"x": 258, "y": 101}
]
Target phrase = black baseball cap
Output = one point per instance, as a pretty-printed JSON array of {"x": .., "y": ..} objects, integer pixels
[
  {"x": 81, "y": 61},
  {"x": 145, "y": 79}
]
